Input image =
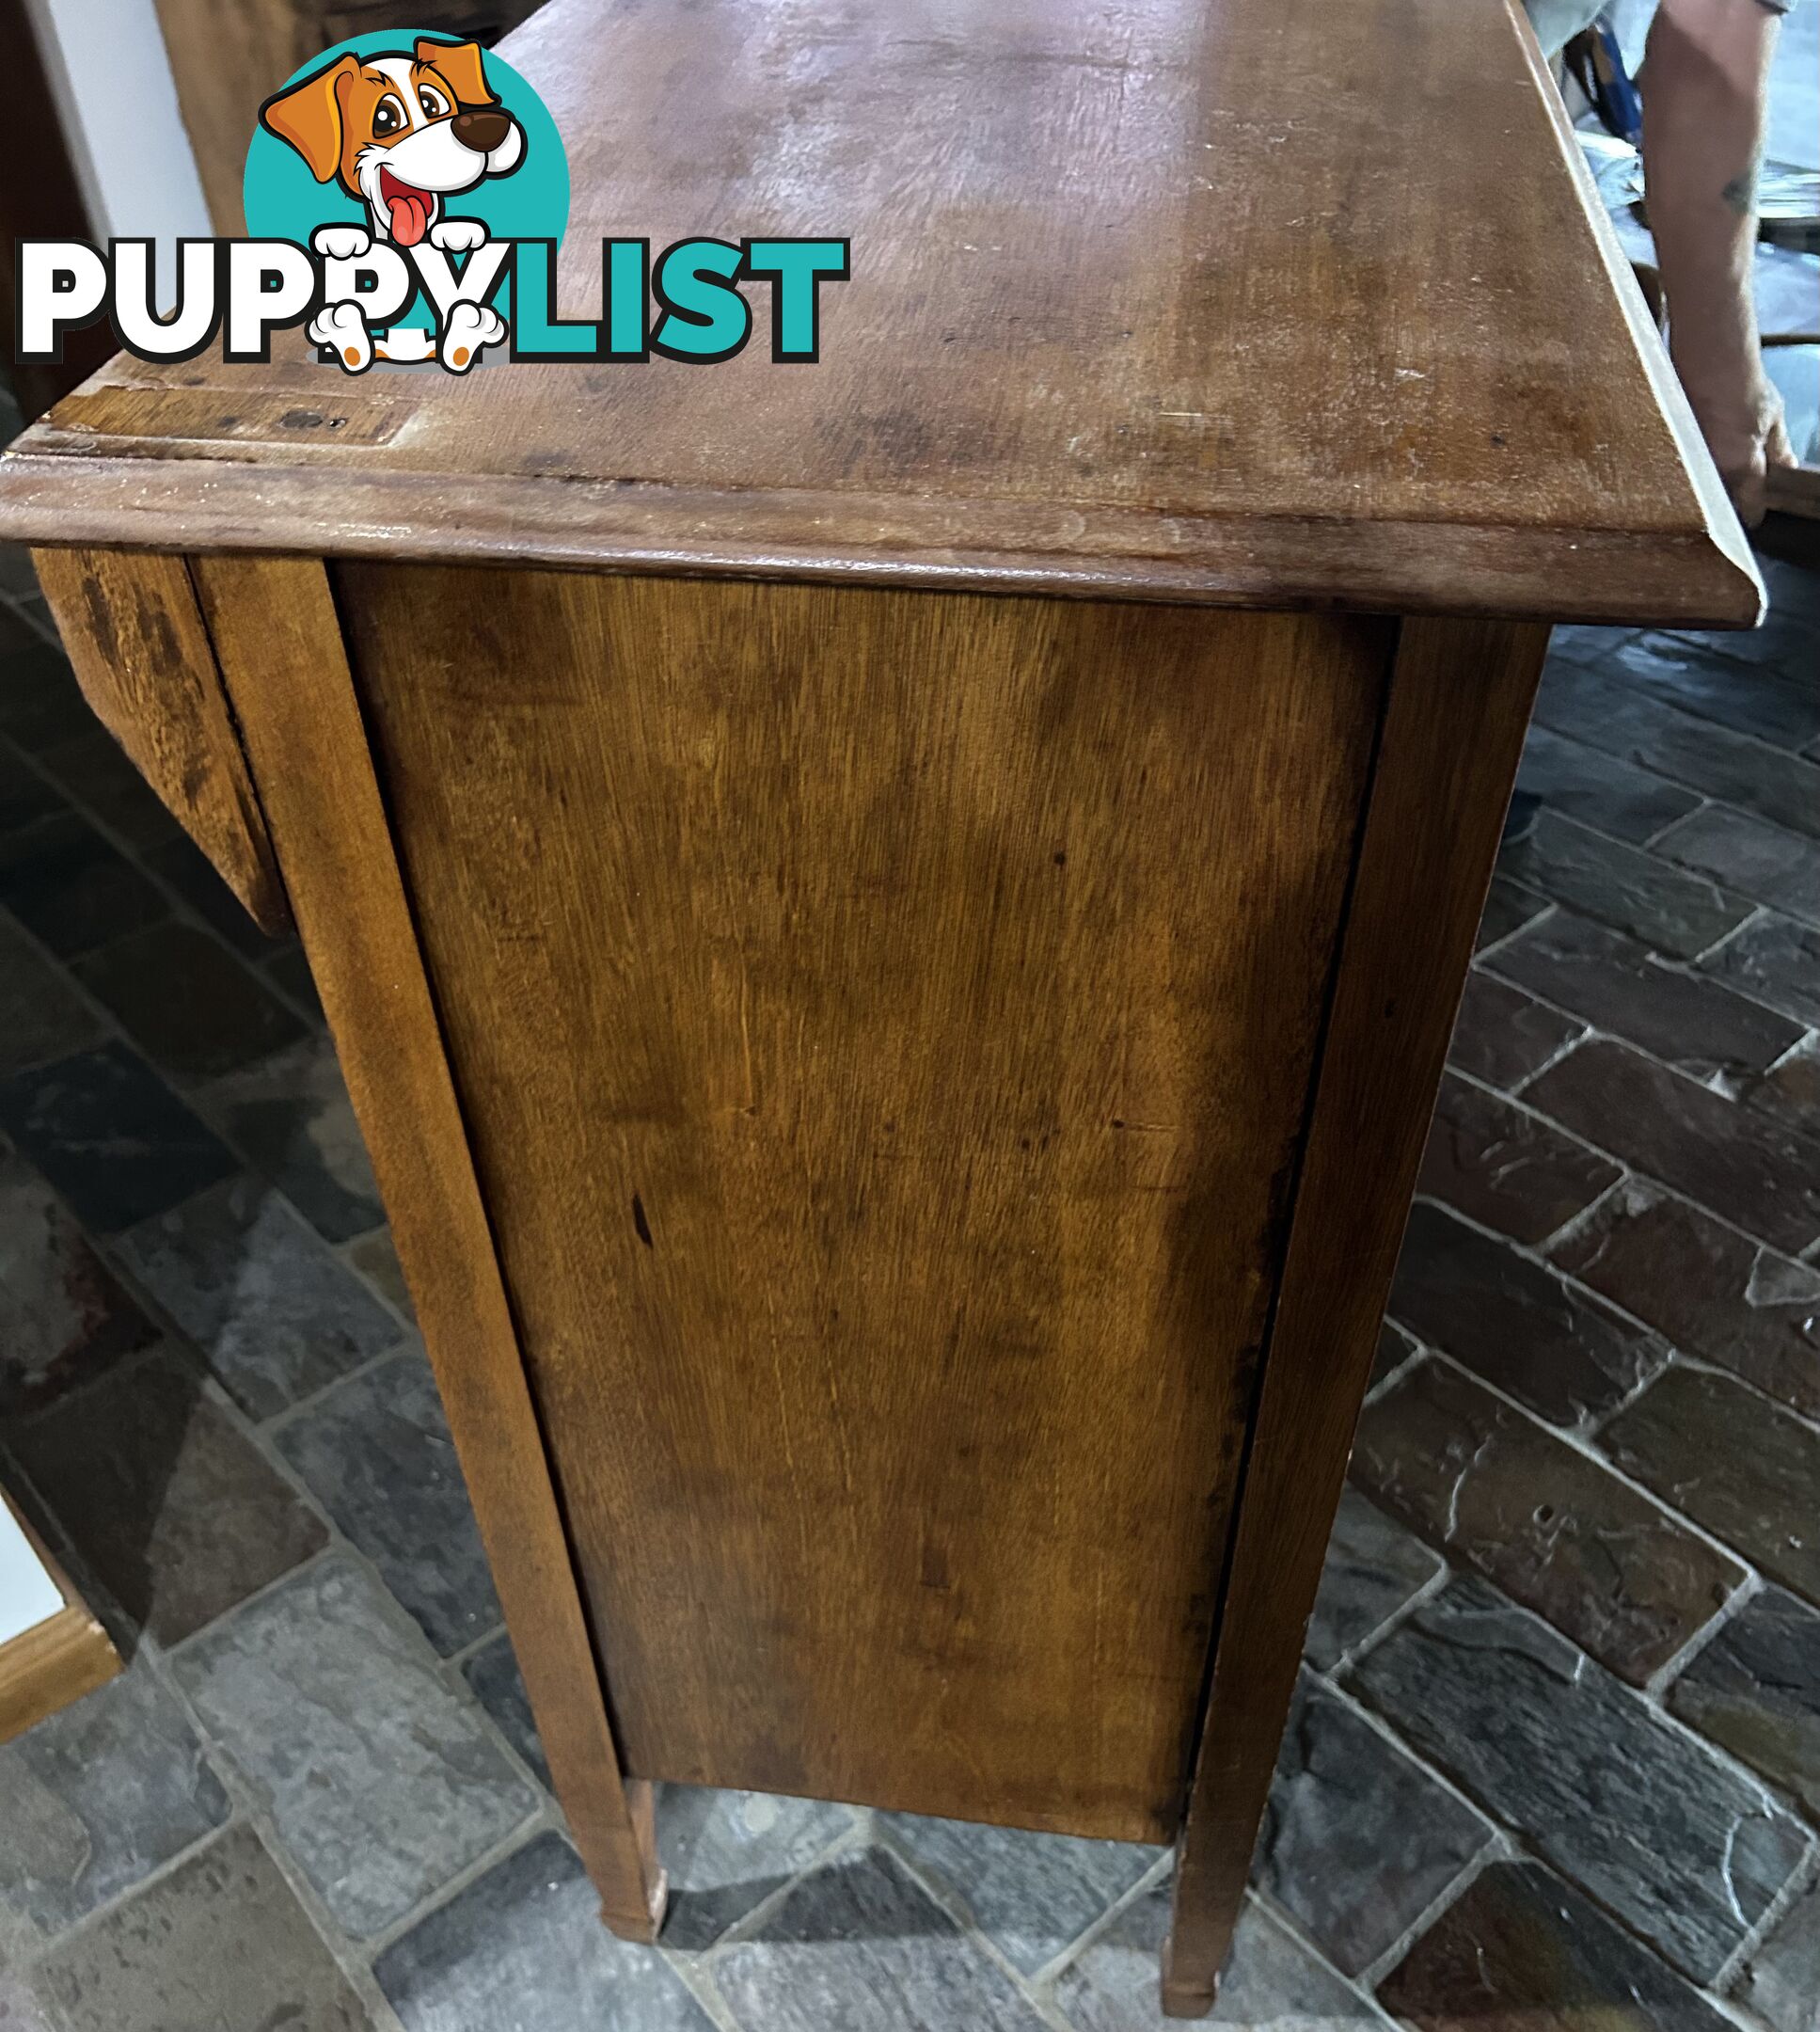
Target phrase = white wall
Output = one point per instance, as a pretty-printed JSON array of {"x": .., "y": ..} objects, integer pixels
[{"x": 108, "y": 71}]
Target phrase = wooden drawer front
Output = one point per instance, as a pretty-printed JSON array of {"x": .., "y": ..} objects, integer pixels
[{"x": 883, "y": 1021}]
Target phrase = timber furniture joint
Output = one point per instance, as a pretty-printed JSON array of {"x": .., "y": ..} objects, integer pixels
[{"x": 892, "y": 925}]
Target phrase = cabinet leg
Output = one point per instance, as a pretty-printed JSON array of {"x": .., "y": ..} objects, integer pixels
[
  {"x": 622, "y": 1856},
  {"x": 1187, "y": 1993}
]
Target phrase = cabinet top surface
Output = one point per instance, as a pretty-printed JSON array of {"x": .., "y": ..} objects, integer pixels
[{"x": 1271, "y": 302}]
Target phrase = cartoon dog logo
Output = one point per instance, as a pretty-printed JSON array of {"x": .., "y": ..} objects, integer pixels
[{"x": 401, "y": 131}]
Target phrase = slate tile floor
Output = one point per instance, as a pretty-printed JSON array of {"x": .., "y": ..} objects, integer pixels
[{"x": 1554, "y": 1760}]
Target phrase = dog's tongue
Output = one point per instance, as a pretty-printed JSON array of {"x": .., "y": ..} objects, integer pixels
[{"x": 410, "y": 211}]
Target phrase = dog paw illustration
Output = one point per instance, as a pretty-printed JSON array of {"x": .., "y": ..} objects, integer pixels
[
  {"x": 470, "y": 327},
  {"x": 343, "y": 330},
  {"x": 341, "y": 242},
  {"x": 458, "y": 235}
]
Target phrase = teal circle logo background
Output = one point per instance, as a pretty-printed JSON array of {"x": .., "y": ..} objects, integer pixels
[{"x": 284, "y": 202}]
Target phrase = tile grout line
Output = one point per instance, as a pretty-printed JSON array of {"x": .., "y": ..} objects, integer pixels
[
  {"x": 1575, "y": 1438},
  {"x": 1693, "y": 970},
  {"x": 1669, "y": 1674},
  {"x": 1797, "y": 1886},
  {"x": 1762, "y": 1786},
  {"x": 956, "y": 1910},
  {"x": 1499, "y": 1848},
  {"x": 1530, "y": 1253}
]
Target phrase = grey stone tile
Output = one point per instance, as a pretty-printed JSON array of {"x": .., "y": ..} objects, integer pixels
[
  {"x": 191, "y": 875},
  {"x": 1739, "y": 1162},
  {"x": 1508, "y": 905},
  {"x": 25, "y": 796},
  {"x": 861, "y": 1947},
  {"x": 1777, "y": 962},
  {"x": 275, "y": 1314},
  {"x": 493, "y": 1676},
  {"x": 42, "y": 1016},
  {"x": 726, "y": 1852},
  {"x": 1790, "y": 1090},
  {"x": 187, "y": 1002},
  {"x": 1755, "y": 1689},
  {"x": 1624, "y": 722},
  {"x": 18, "y": 581},
  {"x": 16, "y": 631},
  {"x": 178, "y": 1516},
  {"x": 1271, "y": 1981},
  {"x": 522, "y": 1948},
  {"x": 1551, "y": 1527},
  {"x": 20, "y": 2010},
  {"x": 220, "y": 1945},
  {"x": 1520, "y": 1948},
  {"x": 1711, "y": 1290},
  {"x": 72, "y": 889},
  {"x": 1666, "y": 907},
  {"x": 113, "y": 1139},
  {"x": 1704, "y": 679},
  {"x": 1735, "y": 1464},
  {"x": 97, "y": 1797},
  {"x": 1505, "y": 1168},
  {"x": 1357, "y": 1840},
  {"x": 1656, "y": 1828},
  {"x": 95, "y": 770},
  {"x": 1577, "y": 642},
  {"x": 1503, "y": 1035},
  {"x": 1599, "y": 790},
  {"x": 291, "y": 1117},
  {"x": 288, "y": 972},
  {"x": 376, "y": 1453},
  {"x": 1686, "y": 1018},
  {"x": 1031, "y": 1895},
  {"x": 1373, "y": 1567},
  {"x": 1780, "y": 1979},
  {"x": 1566, "y": 1353},
  {"x": 1747, "y": 855},
  {"x": 382, "y": 1781},
  {"x": 64, "y": 1319},
  {"x": 1395, "y": 1346},
  {"x": 377, "y": 1259},
  {"x": 42, "y": 705}
]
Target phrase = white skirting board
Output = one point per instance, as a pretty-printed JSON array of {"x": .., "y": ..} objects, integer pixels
[{"x": 28, "y": 1595}]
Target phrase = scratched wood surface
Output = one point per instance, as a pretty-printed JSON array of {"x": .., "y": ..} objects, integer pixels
[
  {"x": 1195, "y": 299},
  {"x": 884, "y": 1041},
  {"x": 138, "y": 644}
]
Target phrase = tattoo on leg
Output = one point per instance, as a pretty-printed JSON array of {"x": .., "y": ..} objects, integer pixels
[{"x": 1741, "y": 192}]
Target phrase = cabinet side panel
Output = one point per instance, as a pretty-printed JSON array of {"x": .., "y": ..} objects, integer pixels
[{"x": 884, "y": 1022}]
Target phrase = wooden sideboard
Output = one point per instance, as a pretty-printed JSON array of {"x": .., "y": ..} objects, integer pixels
[{"x": 893, "y": 924}]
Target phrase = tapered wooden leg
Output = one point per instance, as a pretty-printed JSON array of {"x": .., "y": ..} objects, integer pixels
[
  {"x": 274, "y": 626},
  {"x": 1455, "y": 715}
]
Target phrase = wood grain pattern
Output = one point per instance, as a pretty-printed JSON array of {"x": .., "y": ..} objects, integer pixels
[
  {"x": 56, "y": 1662},
  {"x": 280, "y": 642},
  {"x": 1206, "y": 302},
  {"x": 883, "y": 1023},
  {"x": 1457, "y": 707},
  {"x": 135, "y": 640}
]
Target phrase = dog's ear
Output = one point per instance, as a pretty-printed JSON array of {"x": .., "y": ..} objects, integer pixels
[
  {"x": 459, "y": 66},
  {"x": 308, "y": 115}
]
